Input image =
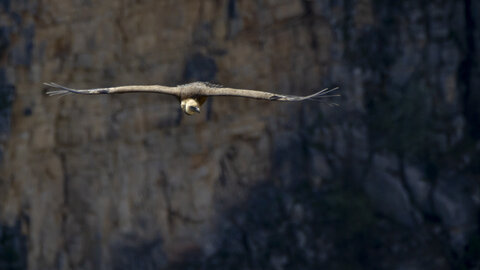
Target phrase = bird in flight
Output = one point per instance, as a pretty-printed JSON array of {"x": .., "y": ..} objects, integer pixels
[{"x": 192, "y": 95}]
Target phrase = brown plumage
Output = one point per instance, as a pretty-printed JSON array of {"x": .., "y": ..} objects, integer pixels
[{"x": 191, "y": 95}]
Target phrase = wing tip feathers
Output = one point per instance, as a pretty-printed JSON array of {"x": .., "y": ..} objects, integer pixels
[
  {"x": 62, "y": 90},
  {"x": 324, "y": 93}
]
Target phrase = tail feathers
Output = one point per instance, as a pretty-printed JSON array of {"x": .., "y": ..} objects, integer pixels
[{"x": 62, "y": 90}]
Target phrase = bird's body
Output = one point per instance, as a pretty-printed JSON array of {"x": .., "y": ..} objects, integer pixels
[{"x": 192, "y": 95}]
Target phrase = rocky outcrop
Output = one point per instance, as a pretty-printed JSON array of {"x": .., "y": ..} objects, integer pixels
[{"x": 388, "y": 180}]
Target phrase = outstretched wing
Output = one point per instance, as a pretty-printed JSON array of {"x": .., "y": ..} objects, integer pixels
[
  {"x": 62, "y": 90},
  {"x": 232, "y": 92}
]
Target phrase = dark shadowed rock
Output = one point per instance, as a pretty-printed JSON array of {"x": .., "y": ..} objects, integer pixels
[
  {"x": 420, "y": 189},
  {"x": 387, "y": 193},
  {"x": 131, "y": 254},
  {"x": 13, "y": 248},
  {"x": 200, "y": 68},
  {"x": 453, "y": 203}
]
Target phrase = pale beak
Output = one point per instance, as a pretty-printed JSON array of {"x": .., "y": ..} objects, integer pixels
[{"x": 195, "y": 109}]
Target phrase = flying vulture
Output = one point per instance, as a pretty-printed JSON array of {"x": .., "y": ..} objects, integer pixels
[{"x": 191, "y": 95}]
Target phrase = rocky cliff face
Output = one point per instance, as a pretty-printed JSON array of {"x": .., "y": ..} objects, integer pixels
[{"x": 389, "y": 179}]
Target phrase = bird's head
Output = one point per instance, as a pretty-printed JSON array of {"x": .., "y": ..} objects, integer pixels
[{"x": 190, "y": 106}]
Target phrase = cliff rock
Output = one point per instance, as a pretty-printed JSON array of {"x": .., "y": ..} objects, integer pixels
[{"x": 387, "y": 180}]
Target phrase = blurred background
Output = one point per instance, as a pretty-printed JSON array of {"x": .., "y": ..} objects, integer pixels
[{"x": 387, "y": 180}]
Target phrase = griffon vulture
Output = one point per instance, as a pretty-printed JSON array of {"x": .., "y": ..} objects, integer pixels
[{"x": 192, "y": 95}]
